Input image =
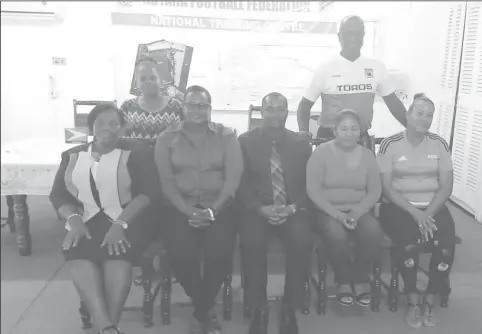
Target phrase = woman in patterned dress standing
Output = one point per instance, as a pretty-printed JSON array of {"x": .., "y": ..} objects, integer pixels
[
  {"x": 151, "y": 113},
  {"x": 147, "y": 116}
]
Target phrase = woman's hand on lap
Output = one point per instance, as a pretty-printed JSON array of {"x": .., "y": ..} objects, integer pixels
[
  {"x": 425, "y": 223},
  {"x": 353, "y": 216},
  {"x": 77, "y": 231},
  {"x": 115, "y": 240},
  {"x": 343, "y": 219}
]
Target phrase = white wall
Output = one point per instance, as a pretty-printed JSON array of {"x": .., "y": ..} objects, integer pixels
[
  {"x": 414, "y": 41},
  {"x": 28, "y": 109},
  {"x": 100, "y": 56},
  {"x": 37, "y": 96}
]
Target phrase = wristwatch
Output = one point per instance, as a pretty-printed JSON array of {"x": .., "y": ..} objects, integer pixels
[
  {"x": 121, "y": 223},
  {"x": 212, "y": 213},
  {"x": 293, "y": 207},
  {"x": 67, "y": 225}
]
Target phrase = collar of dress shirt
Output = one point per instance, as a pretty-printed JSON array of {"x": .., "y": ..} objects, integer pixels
[
  {"x": 181, "y": 127},
  {"x": 278, "y": 136}
]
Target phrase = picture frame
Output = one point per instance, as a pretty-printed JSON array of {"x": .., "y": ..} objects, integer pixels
[{"x": 173, "y": 65}]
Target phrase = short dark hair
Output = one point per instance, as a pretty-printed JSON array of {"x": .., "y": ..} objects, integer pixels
[
  {"x": 350, "y": 18},
  {"x": 145, "y": 59},
  {"x": 277, "y": 95},
  {"x": 99, "y": 109},
  {"x": 418, "y": 97},
  {"x": 346, "y": 113},
  {"x": 197, "y": 89}
]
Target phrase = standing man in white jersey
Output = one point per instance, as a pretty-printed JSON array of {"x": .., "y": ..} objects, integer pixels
[{"x": 349, "y": 81}]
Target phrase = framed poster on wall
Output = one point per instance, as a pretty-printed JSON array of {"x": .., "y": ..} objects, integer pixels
[{"x": 173, "y": 65}]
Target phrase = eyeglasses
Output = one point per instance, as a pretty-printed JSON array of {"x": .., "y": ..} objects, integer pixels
[
  {"x": 197, "y": 106},
  {"x": 275, "y": 110}
]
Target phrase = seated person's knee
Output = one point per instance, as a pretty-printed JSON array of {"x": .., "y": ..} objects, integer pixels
[
  {"x": 443, "y": 265},
  {"x": 302, "y": 237},
  {"x": 372, "y": 237},
  {"x": 410, "y": 254},
  {"x": 252, "y": 244},
  {"x": 335, "y": 234},
  {"x": 334, "y": 230}
]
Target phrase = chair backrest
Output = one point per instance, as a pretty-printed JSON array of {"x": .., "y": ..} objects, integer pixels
[
  {"x": 80, "y": 119},
  {"x": 254, "y": 121},
  {"x": 376, "y": 144}
]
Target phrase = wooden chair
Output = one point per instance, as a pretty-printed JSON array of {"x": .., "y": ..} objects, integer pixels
[{"x": 80, "y": 119}]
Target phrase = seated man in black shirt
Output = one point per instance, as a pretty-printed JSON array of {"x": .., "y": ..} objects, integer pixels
[{"x": 273, "y": 193}]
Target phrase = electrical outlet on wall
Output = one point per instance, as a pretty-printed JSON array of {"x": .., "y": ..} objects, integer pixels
[
  {"x": 53, "y": 90},
  {"x": 59, "y": 61}
]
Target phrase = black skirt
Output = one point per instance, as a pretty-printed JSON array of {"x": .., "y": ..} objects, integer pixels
[{"x": 140, "y": 235}]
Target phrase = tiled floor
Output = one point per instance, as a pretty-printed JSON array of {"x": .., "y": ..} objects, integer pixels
[{"x": 38, "y": 298}]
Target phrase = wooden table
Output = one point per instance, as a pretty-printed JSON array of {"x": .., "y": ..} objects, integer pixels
[{"x": 28, "y": 168}]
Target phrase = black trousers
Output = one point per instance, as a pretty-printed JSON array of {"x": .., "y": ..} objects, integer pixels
[
  {"x": 400, "y": 227},
  {"x": 255, "y": 232},
  {"x": 185, "y": 244}
]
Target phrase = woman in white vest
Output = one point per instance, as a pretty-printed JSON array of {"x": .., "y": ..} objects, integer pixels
[{"x": 102, "y": 189}]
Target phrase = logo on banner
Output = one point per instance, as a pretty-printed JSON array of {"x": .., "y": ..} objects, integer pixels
[
  {"x": 369, "y": 72},
  {"x": 76, "y": 135}
]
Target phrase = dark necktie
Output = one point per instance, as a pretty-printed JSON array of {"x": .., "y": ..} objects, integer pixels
[{"x": 277, "y": 179}]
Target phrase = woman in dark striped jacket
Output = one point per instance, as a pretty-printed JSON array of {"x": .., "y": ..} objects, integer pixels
[{"x": 103, "y": 189}]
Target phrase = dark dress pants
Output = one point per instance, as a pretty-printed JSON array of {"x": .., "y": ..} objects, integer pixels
[
  {"x": 185, "y": 244},
  {"x": 255, "y": 232}
]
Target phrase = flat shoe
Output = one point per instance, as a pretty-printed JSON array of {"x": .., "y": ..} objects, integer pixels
[
  {"x": 345, "y": 298},
  {"x": 364, "y": 299}
]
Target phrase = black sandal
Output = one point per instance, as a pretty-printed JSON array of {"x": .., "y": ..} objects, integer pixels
[
  {"x": 364, "y": 299},
  {"x": 110, "y": 327}
]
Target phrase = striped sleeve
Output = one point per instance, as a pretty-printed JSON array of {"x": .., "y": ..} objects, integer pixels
[{"x": 386, "y": 151}]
